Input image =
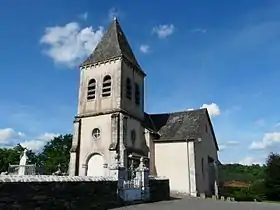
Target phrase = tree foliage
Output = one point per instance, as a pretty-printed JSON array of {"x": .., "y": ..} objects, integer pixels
[
  {"x": 54, "y": 153},
  {"x": 253, "y": 175},
  {"x": 264, "y": 180},
  {"x": 11, "y": 156},
  {"x": 238, "y": 172},
  {"x": 272, "y": 177}
]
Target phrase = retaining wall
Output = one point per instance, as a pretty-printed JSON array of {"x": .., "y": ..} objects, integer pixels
[
  {"x": 66, "y": 192},
  {"x": 57, "y": 192}
]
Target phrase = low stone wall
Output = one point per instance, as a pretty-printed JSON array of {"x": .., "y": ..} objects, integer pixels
[
  {"x": 57, "y": 192},
  {"x": 159, "y": 189},
  {"x": 66, "y": 192}
]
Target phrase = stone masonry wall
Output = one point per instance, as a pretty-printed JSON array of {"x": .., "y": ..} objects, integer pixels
[
  {"x": 66, "y": 192},
  {"x": 57, "y": 192}
]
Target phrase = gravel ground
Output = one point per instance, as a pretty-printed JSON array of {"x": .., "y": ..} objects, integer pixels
[{"x": 202, "y": 204}]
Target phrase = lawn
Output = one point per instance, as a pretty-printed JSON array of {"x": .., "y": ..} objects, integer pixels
[{"x": 277, "y": 202}]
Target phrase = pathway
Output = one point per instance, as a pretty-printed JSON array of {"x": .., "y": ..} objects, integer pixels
[{"x": 202, "y": 204}]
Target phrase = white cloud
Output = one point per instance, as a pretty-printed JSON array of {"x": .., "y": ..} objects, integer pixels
[
  {"x": 232, "y": 142},
  {"x": 84, "y": 16},
  {"x": 34, "y": 145},
  {"x": 113, "y": 12},
  {"x": 144, "y": 48},
  {"x": 249, "y": 161},
  {"x": 228, "y": 144},
  {"x": 199, "y": 30},
  {"x": 222, "y": 147},
  {"x": 277, "y": 125},
  {"x": 38, "y": 143},
  {"x": 9, "y": 134},
  {"x": 163, "y": 31},
  {"x": 47, "y": 136},
  {"x": 260, "y": 122},
  {"x": 213, "y": 109},
  {"x": 70, "y": 44},
  {"x": 269, "y": 141}
]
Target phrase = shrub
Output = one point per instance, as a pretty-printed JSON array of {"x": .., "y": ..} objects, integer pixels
[{"x": 240, "y": 193}]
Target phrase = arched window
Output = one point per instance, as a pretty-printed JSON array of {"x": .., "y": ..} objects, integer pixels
[
  {"x": 91, "y": 89},
  {"x": 128, "y": 89},
  {"x": 137, "y": 94},
  {"x": 106, "y": 90}
]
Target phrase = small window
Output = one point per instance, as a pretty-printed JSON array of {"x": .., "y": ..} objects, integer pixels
[
  {"x": 91, "y": 89},
  {"x": 128, "y": 89},
  {"x": 96, "y": 133},
  {"x": 106, "y": 90},
  {"x": 137, "y": 94},
  {"x": 206, "y": 129},
  {"x": 133, "y": 137}
]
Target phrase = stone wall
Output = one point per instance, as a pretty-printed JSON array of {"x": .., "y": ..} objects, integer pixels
[
  {"x": 66, "y": 192},
  {"x": 159, "y": 189},
  {"x": 57, "y": 192}
]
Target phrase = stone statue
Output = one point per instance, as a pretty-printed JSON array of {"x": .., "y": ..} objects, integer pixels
[{"x": 22, "y": 163}]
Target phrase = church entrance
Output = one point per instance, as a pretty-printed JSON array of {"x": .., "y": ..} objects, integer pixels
[{"x": 95, "y": 165}]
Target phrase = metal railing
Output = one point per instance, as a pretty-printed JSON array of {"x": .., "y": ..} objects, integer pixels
[{"x": 29, "y": 169}]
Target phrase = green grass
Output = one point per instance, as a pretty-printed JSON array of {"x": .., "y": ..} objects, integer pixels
[{"x": 277, "y": 202}]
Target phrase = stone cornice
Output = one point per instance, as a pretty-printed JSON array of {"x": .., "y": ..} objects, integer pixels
[
  {"x": 88, "y": 66},
  {"x": 76, "y": 120},
  {"x": 94, "y": 65},
  {"x": 113, "y": 111}
]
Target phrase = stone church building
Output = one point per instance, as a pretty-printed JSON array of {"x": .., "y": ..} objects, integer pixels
[{"x": 111, "y": 125}]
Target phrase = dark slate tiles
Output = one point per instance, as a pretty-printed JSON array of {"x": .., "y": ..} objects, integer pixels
[
  {"x": 112, "y": 45},
  {"x": 179, "y": 125}
]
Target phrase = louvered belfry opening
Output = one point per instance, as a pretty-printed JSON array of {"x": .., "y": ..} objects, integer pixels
[
  {"x": 137, "y": 94},
  {"x": 91, "y": 89},
  {"x": 128, "y": 89},
  {"x": 106, "y": 89}
]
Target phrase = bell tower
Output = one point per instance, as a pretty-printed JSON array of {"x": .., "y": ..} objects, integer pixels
[{"x": 110, "y": 106}]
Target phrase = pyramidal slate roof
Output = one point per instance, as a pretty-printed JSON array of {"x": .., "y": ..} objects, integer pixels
[
  {"x": 180, "y": 126},
  {"x": 112, "y": 45}
]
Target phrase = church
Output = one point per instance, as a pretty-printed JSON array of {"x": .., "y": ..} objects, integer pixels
[{"x": 112, "y": 127}]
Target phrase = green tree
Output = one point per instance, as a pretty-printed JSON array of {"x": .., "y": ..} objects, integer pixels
[
  {"x": 56, "y": 152},
  {"x": 238, "y": 172},
  {"x": 272, "y": 177},
  {"x": 12, "y": 156},
  {"x": 253, "y": 175}
]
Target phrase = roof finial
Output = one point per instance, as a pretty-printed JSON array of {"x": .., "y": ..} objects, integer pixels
[{"x": 115, "y": 18}]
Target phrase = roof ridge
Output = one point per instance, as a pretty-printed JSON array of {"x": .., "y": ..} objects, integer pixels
[{"x": 177, "y": 112}]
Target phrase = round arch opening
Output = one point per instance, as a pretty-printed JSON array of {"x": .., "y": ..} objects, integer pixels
[{"x": 95, "y": 165}]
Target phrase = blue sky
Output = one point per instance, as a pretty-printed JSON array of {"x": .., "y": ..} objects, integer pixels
[{"x": 223, "y": 55}]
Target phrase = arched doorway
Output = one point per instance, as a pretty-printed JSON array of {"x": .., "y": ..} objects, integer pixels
[{"x": 95, "y": 165}]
